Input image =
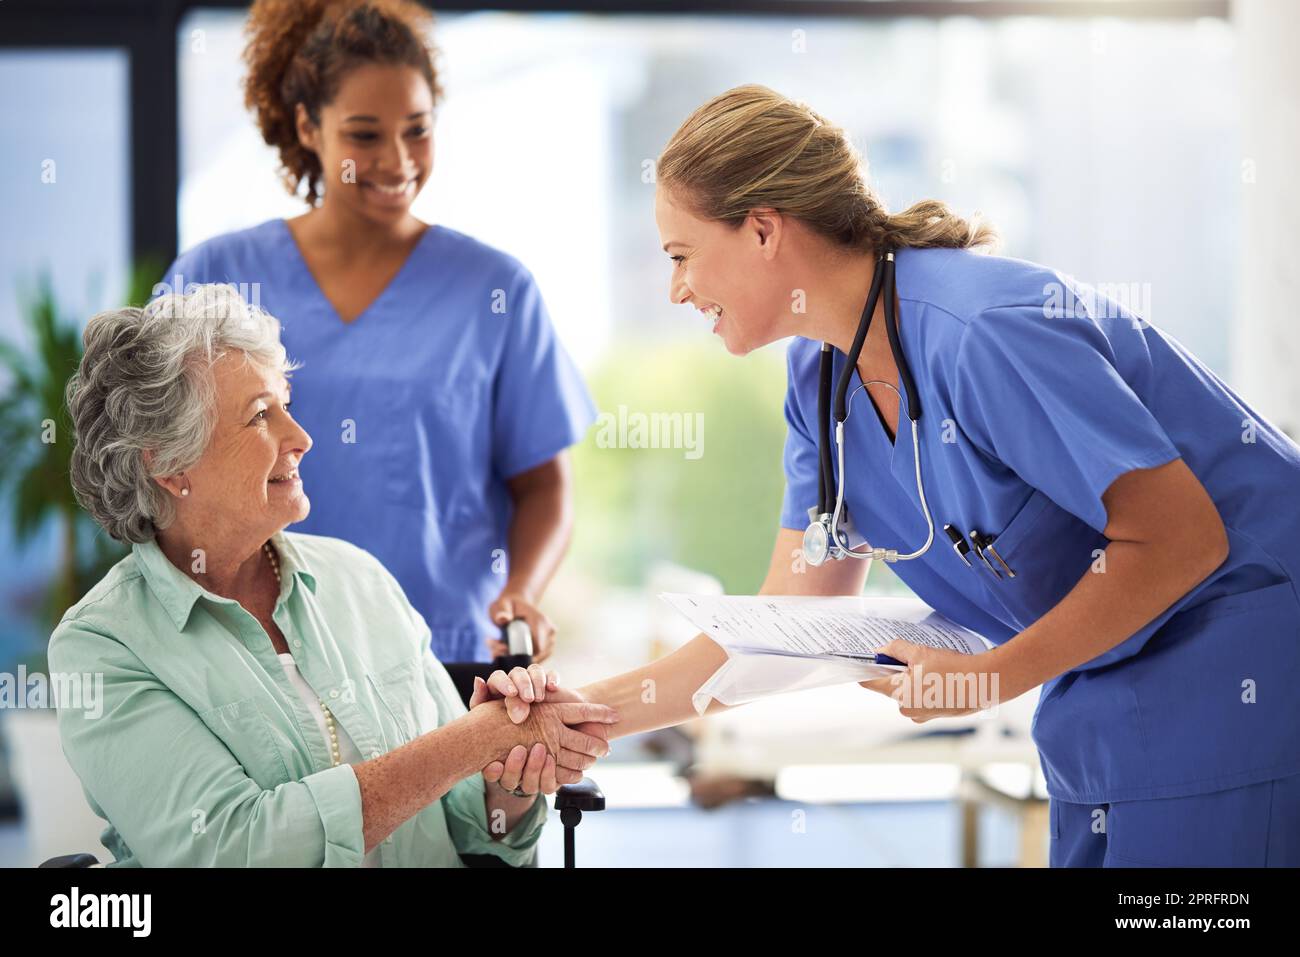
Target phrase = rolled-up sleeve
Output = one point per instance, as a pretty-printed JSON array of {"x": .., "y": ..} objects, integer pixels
[
  {"x": 338, "y": 802},
  {"x": 170, "y": 787}
]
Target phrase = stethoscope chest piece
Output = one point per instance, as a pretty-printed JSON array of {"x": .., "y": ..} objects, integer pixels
[
  {"x": 820, "y": 545},
  {"x": 817, "y": 538}
]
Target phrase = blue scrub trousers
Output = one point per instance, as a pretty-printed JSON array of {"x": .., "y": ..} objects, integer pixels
[{"x": 1253, "y": 826}]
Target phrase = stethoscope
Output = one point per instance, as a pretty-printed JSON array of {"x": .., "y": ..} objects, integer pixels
[{"x": 830, "y": 533}]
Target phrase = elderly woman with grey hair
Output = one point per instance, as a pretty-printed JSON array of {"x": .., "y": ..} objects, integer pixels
[{"x": 269, "y": 698}]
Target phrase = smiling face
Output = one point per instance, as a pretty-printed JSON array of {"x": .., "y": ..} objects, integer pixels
[
  {"x": 381, "y": 120},
  {"x": 735, "y": 276},
  {"x": 246, "y": 484}
]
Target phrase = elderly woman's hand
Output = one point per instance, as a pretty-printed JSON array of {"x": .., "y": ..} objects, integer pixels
[
  {"x": 575, "y": 732},
  {"x": 567, "y": 734},
  {"x": 520, "y": 689},
  {"x": 529, "y": 769},
  {"x": 533, "y": 770}
]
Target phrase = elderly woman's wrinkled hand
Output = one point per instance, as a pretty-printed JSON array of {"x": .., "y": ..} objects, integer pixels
[{"x": 561, "y": 734}]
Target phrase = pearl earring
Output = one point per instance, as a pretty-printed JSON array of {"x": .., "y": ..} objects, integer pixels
[{"x": 185, "y": 491}]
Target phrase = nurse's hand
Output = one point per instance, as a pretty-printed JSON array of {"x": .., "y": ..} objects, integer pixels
[
  {"x": 529, "y": 769},
  {"x": 938, "y": 683},
  {"x": 511, "y": 605}
]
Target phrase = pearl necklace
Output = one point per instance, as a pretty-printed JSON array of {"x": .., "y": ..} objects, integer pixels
[{"x": 335, "y": 754}]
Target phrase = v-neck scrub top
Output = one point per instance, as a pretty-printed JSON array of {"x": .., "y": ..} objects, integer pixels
[
  {"x": 1036, "y": 395},
  {"x": 451, "y": 382}
]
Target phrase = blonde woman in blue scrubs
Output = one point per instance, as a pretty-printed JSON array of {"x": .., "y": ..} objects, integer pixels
[
  {"x": 1148, "y": 512},
  {"x": 440, "y": 399}
]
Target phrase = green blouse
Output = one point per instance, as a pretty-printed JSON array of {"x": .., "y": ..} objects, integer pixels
[{"x": 200, "y": 753}]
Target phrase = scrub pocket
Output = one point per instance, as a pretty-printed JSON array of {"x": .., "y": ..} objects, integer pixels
[
  {"x": 1207, "y": 704},
  {"x": 1075, "y": 840},
  {"x": 1049, "y": 549},
  {"x": 1216, "y": 689}
]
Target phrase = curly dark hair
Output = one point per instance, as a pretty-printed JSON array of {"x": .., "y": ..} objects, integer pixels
[{"x": 298, "y": 52}]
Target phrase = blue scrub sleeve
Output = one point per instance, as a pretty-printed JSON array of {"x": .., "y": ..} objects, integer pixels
[
  {"x": 800, "y": 458},
  {"x": 540, "y": 403},
  {"x": 1043, "y": 396}
]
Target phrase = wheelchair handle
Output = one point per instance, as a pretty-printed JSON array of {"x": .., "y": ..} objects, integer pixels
[{"x": 518, "y": 638}]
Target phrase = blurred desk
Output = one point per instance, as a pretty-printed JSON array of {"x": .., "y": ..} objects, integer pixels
[{"x": 848, "y": 744}]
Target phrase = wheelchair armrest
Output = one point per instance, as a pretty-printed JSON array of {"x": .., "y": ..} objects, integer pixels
[{"x": 583, "y": 796}]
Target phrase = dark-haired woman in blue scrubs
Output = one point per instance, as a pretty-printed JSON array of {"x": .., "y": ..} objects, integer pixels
[{"x": 438, "y": 397}]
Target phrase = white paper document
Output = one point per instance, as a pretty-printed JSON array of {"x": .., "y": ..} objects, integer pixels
[{"x": 776, "y": 644}]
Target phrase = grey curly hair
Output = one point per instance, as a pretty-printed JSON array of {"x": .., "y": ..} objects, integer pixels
[{"x": 145, "y": 383}]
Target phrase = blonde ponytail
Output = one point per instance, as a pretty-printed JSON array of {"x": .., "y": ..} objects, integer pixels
[{"x": 751, "y": 147}]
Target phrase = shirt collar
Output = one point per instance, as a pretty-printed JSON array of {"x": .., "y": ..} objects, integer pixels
[
  {"x": 177, "y": 592},
  {"x": 291, "y": 560}
]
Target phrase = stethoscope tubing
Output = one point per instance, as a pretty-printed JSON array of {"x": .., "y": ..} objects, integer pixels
[{"x": 883, "y": 278}]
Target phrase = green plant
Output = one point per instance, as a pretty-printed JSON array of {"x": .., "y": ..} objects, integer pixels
[{"x": 36, "y": 440}]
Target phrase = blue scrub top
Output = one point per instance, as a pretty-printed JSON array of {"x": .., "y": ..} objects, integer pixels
[
  {"x": 1037, "y": 394},
  {"x": 451, "y": 382}
]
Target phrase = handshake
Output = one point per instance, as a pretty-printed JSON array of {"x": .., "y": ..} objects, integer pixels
[{"x": 567, "y": 732}]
